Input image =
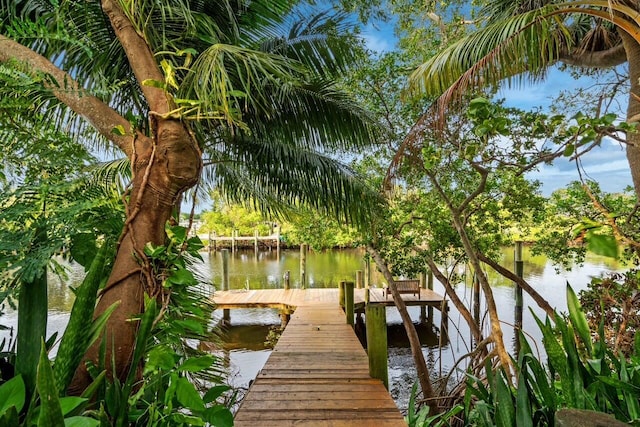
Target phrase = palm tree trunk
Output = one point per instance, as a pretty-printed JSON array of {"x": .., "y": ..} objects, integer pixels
[{"x": 633, "y": 109}]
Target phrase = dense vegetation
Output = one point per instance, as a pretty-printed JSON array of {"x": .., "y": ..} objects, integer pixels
[{"x": 258, "y": 104}]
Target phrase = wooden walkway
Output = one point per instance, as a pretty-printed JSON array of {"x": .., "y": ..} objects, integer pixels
[{"x": 318, "y": 373}]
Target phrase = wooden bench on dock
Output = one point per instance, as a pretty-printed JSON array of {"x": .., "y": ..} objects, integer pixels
[{"x": 410, "y": 286}]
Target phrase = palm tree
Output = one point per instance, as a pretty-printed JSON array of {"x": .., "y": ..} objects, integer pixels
[
  {"x": 178, "y": 84},
  {"x": 522, "y": 39}
]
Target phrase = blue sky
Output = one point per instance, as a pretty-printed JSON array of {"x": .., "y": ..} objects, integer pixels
[{"x": 607, "y": 165}]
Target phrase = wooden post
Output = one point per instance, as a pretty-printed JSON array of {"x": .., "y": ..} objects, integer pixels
[
  {"x": 285, "y": 316},
  {"x": 341, "y": 287},
  {"x": 444, "y": 322},
  {"x": 210, "y": 245},
  {"x": 430, "y": 287},
  {"x": 359, "y": 279},
  {"x": 423, "y": 309},
  {"x": 348, "y": 302},
  {"x": 255, "y": 241},
  {"x": 233, "y": 241},
  {"x": 519, "y": 270},
  {"x": 278, "y": 242},
  {"x": 367, "y": 273},
  {"x": 303, "y": 266},
  {"x": 215, "y": 241},
  {"x": 226, "y": 314},
  {"x": 376, "y": 320},
  {"x": 287, "y": 279}
]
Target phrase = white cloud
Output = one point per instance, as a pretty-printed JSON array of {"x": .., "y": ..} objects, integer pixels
[{"x": 379, "y": 37}]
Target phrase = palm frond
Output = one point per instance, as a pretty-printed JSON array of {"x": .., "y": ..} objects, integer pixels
[
  {"x": 519, "y": 48},
  {"x": 319, "y": 40},
  {"x": 226, "y": 79},
  {"x": 315, "y": 115},
  {"x": 274, "y": 175}
]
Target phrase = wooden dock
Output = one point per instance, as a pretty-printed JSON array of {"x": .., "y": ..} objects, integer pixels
[
  {"x": 317, "y": 375},
  {"x": 291, "y": 298}
]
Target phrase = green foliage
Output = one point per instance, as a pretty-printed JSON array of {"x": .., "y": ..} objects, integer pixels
[
  {"x": 77, "y": 337},
  {"x": 169, "y": 393},
  {"x": 582, "y": 217},
  {"x": 578, "y": 375},
  {"x": 612, "y": 301},
  {"x": 421, "y": 418},
  {"x": 300, "y": 226}
]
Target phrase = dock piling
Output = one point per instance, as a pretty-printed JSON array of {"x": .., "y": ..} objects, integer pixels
[
  {"x": 519, "y": 270},
  {"x": 287, "y": 279},
  {"x": 226, "y": 314},
  {"x": 376, "y": 321},
  {"x": 359, "y": 279},
  {"x": 349, "y": 302},
  {"x": 303, "y": 266}
]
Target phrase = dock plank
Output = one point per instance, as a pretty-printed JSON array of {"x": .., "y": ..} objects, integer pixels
[{"x": 317, "y": 375}]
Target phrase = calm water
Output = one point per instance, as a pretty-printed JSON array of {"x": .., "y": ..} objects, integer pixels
[{"x": 245, "y": 351}]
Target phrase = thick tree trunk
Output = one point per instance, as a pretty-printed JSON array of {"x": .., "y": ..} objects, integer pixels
[
  {"x": 160, "y": 176},
  {"x": 163, "y": 167},
  {"x": 633, "y": 108}
]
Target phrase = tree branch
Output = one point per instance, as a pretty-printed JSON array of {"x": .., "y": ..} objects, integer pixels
[
  {"x": 68, "y": 91},
  {"x": 600, "y": 59},
  {"x": 542, "y": 303},
  {"x": 141, "y": 58}
]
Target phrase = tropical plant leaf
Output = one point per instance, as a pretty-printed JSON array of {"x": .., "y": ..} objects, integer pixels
[
  {"x": 12, "y": 395},
  {"x": 50, "y": 410},
  {"x": 578, "y": 319}
]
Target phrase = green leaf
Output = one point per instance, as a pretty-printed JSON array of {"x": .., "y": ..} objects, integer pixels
[
  {"x": 603, "y": 245},
  {"x": 182, "y": 276},
  {"x": 81, "y": 422},
  {"x": 154, "y": 83},
  {"x": 77, "y": 337},
  {"x": 93, "y": 387},
  {"x": 83, "y": 248},
  {"x": 191, "y": 325},
  {"x": 10, "y": 418},
  {"x": 188, "y": 396},
  {"x": 569, "y": 150},
  {"x": 524, "y": 418},
  {"x": 119, "y": 130},
  {"x": 69, "y": 403},
  {"x": 578, "y": 319},
  {"x": 12, "y": 394},
  {"x": 219, "y": 416},
  {"x": 183, "y": 419},
  {"x": 50, "y": 410},
  {"x": 505, "y": 411},
  {"x": 176, "y": 233},
  {"x": 160, "y": 357},
  {"x": 196, "y": 364},
  {"x": 154, "y": 251},
  {"x": 214, "y": 392}
]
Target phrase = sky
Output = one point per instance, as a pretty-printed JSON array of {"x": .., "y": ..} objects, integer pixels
[{"x": 607, "y": 165}]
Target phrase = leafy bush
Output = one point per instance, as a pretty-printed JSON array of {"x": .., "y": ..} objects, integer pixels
[
  {"x": 614, "y": 301},
  {"x": 579, "y": 374},
  {"x": 179, "y": 386}
]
